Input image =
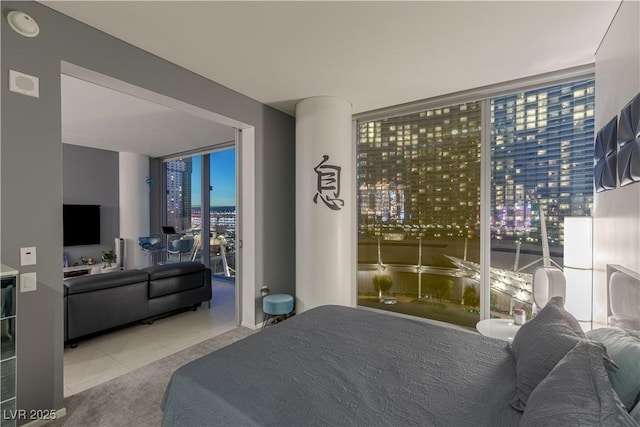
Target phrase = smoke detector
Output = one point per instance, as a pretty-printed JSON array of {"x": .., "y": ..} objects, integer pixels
[{"x": 23, "y": 24}]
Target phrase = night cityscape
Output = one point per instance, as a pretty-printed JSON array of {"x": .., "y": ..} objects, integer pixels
[{"x": 419, "y": 192}]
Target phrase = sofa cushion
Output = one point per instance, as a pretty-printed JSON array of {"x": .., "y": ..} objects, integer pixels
[
  {"x": 174, "y": 278},
  {"x": 173, "y": 269},
  {"x": 94, "y": 282}
]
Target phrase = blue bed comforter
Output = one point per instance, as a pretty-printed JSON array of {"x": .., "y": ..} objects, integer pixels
[{"x": 342, "y": 366}]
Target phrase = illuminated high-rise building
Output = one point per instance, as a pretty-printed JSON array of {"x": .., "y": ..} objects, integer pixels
[
  {"x": 426, "y": 165},
  {"x": 541, "y": 156},
  {"x": 178, "y": 182}
]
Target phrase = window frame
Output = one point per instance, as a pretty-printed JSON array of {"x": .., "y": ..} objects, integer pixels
[{"x": 482, "y": 95}]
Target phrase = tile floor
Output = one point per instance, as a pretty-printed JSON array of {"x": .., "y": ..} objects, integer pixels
[{"x": 107, "y": 356}]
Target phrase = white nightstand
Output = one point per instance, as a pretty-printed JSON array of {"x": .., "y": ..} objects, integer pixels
[{"x": 503, "y": 329}]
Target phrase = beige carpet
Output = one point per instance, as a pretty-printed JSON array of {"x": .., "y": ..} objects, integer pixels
[{"x": 134, "y": 398}]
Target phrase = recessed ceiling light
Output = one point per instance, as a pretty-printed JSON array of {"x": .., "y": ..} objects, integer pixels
[{"x": 23, "y": 24}]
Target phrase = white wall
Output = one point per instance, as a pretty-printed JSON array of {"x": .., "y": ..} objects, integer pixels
[
  {"x": 134, "y": 207},
  {"x": 616, "y": 212}
]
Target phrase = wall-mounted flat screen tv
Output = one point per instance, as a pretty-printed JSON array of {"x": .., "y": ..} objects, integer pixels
[{"x": 81, "y": 224}]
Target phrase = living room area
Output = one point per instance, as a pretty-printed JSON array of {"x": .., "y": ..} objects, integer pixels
[
  {"x": 128, "y": 180},
  {"x": 106, "y": 356}
]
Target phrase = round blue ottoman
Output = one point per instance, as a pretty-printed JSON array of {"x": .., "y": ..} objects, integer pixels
[{"x": 276, "y": 305}]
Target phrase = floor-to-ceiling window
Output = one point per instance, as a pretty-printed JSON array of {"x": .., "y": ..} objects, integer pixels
[
  {"x": 419, "y": 198},
  {"x": 194, "y": 211},
  {"x": 222, "y": 215},
  {"x": 183, "y": 198},
  {"x": 418, "y": 208},
  {"x": 541, "y": 168}
]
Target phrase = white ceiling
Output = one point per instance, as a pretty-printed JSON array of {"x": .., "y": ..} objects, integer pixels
[
  {"x": 98, "y": 117},
  {"x": 374, "y": 54}
]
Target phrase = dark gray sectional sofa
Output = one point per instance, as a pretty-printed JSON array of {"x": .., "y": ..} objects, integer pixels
[{"x": 99, "y": 302}]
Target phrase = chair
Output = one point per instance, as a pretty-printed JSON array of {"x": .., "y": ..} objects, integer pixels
[
  {"x": 153, "y": 245},
  {"x": 181, "y": 246},
  {"x": 168, "y": 231},
  {"x": 277, "y": 306}
]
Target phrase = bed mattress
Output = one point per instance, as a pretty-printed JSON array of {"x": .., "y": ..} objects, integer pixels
[{"x": 343, "y": 366}]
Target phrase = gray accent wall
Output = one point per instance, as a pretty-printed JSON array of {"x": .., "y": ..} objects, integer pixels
[
  {"x": 273, "y": 195},
  {"x": 32, "y": 175},
  {"x": 90, "y": 177},
  {"x": 616, "y": 228}
]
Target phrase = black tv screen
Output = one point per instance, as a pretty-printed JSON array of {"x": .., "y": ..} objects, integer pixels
[{"x": 81, "y": 225}]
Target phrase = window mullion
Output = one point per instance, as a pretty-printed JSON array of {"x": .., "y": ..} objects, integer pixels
[{"x": 485, "y": 209}]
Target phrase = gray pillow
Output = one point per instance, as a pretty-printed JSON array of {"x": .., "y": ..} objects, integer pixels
[
  {"x": 540, "y": 344},
  {"x": 624, "y": 348},
  {"x": 577, "y": 392},
  {"x": 635, "y": 413}
]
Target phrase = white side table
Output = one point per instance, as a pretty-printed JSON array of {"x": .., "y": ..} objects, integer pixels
[{"x": 503, "y": 329}]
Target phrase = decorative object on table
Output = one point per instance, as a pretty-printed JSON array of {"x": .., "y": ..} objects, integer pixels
[
  {"x": 519, "y": 316},
  {"x": 629, "y": 142},
  {"x": 109, "y": 257},
  {"x": 86, "y": 260},
  {"x": 605, "y": 157}
]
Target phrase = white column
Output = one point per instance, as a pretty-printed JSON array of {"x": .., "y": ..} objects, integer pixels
[
  {"x": 325, "y": 206},
  {"x": 134, "y": 207}
]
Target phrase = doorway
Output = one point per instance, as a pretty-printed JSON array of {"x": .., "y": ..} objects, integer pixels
[
  {"x": 101, "y": 356},
  {"x": 200, "y": 200}
]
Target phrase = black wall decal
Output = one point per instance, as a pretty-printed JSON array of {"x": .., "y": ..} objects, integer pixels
[{"x": 328, "y": 184}]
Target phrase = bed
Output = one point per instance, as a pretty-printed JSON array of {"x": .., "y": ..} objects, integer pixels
[
  {"x": 623, "y": 289},
  {"x": 344, "y": 366}
]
